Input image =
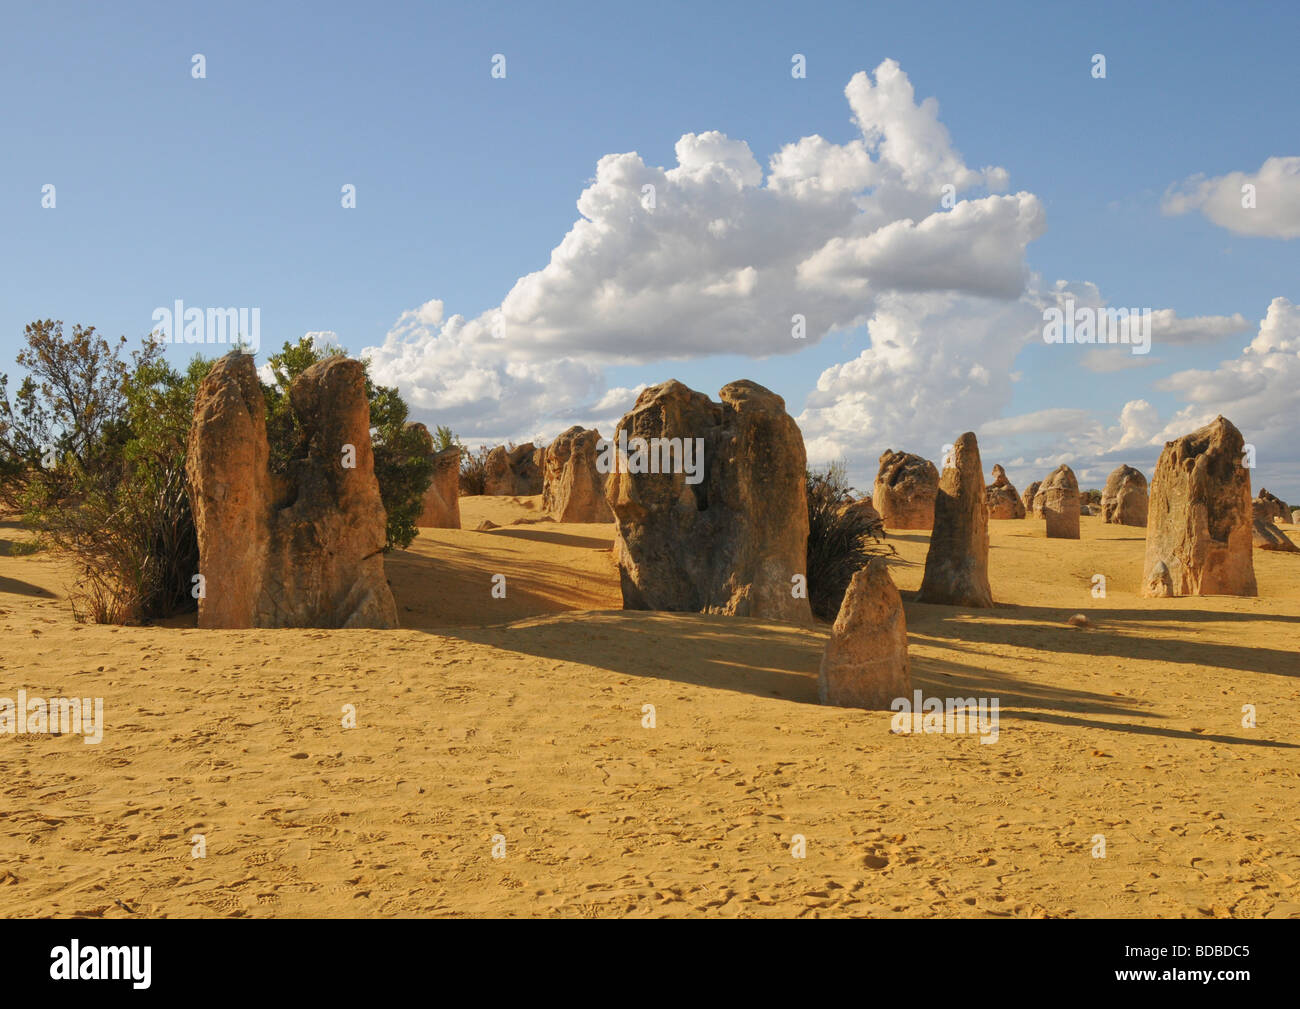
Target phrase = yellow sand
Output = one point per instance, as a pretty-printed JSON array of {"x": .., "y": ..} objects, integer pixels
[{"x": 523, "y": 717}]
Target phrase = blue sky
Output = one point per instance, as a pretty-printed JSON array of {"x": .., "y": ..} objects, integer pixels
[{"x": 226, "y": 190}]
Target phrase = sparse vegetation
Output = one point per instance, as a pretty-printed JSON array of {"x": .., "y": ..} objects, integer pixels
[
  {"x": 473, "y": 470},
  {"x": 92, "y": 453},
  {"x": 841, "y": 539},
  {"x": 402, "y": 467},
  {"x": 97, "y": 444},
  {"x": 445, "y": 438}
]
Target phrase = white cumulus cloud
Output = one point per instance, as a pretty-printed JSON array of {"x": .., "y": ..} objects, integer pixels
[
  {"x": 1271, "y": 211},
  {"x": 710, "y": 256}
]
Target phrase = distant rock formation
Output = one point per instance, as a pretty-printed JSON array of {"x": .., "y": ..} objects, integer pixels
[
  {"x": 1295, "y": 516},
  {"x": 1003, "y": 501},
  {"x": 957, "y": 564},
  {"x": 730, "y": 539},
  {"x": 1057, "y": 500},
  {"x": 865, "y": 664},
  {"x": 904, "y": 490},
  {"x": 1124, "y": 499},
  {"x": 1271, "y": 507},
  {"x": 573, "y": 489},
  {"x": 1200, "y": 521},
  {"x": 300, "y": 550},
  {"x": 1267, "y": 536},
  {"x": 1029, "y": 497},
  {"x": 516, "y": 472}
]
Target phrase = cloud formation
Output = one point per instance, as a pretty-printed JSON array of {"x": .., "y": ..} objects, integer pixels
[
  {"x": 712, "y": 257},
  {"x": 1258, "y": 390},
  {"x": 1271, "y": 211},
  {"x": 891, "y": 231}
]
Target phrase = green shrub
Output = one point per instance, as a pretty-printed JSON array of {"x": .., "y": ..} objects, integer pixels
[
  {"x": 403, "y": 469},
  {"x": 64, "y": 414},
  {"x": 92, "y": 451},
  {"x": 445, "y": 438},
  {"x": 115, "y": 500}
]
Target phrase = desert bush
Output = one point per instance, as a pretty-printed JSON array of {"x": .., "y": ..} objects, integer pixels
[
  {"x": 403, "y": 469},
  {"x": 63, "y": 412},
  {"x": 402, "y": 465},
  {"x": 473, "y": 470},
  {"x": 92, "y": 449},
  {"x": 115, "y": 500},
  {"x": 25, "y": 441},
  {"x": 841, "y": 539}
]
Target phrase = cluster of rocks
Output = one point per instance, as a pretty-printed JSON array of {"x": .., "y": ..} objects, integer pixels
[
  {"x": 1266, "y": 511},
  {"x": 1003, "y": 501},
  {"x": 515, "y": 472},
  {"x": 866, "y": 662},
  {"x": 733, "y": 541},
  {"x": 304, "y": 548},
  {"x": 1059, "y": 502},
  {"x": 299, "y": 549},
  {"x": 1201, "y": 528},
  {"x": 573, "y": 488},
  {"x": 1270, "y": 507}
]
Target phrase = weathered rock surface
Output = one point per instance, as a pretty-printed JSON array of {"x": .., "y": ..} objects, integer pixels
[
  {"x": 441, "y": 506},
  {"x": 865, "y": 664},
  {"x": 230, "y": 491},
  {"x": 957, "y": 564},
  {"x": 1029, "y": 499},
  {"x": 304, "y": 549},
  {"x": 1003, "y": 501},
  {"x": 1267, "y": 536},
  {"x": 1200, "y": 521},
  {"x": 1124, "y": 499},
  {"x": 573, "y": 489},
  {"x": 1271, "y": 506},
  {"x": 514, "y": 472},
  {"x": 863, "y": 507},
  {"x": 1295, "y": 516},
  {"x": 1058, "y": 501},
  {"x": 904, "y": 490},
  {"x": 442, "y": 499},
  {"x": 732, "y": 542}
]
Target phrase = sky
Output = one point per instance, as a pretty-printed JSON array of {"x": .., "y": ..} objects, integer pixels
[{"x": 933, "y": 185}]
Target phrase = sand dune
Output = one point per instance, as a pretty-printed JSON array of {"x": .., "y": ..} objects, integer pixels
[{"x": 522, "y": 717}]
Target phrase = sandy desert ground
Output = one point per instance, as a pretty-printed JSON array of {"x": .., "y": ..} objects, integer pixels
[{"x": 523, "y": 717}]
